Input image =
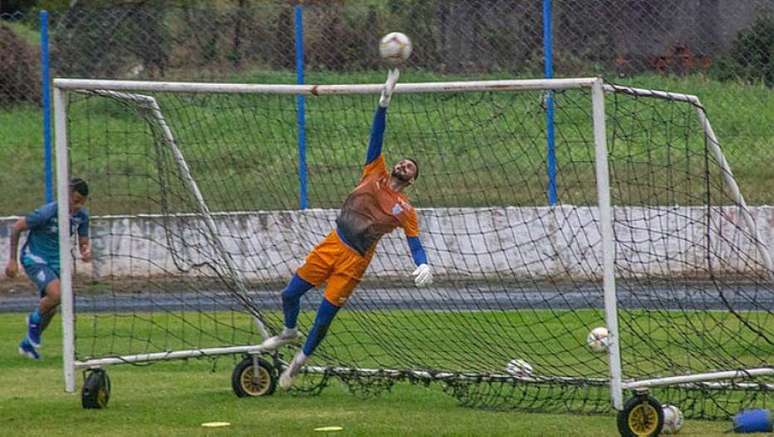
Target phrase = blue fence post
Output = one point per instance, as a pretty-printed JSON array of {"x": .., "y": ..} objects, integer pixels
[
  {"x": 300, "y": 116},
  {"x": 548, "y": 55},
  {"x": 46, "y": 91}
]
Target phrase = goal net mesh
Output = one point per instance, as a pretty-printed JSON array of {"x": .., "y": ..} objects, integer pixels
[{"x": 515, "y": 277}]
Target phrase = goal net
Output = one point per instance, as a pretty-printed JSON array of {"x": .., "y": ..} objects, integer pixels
[{"x": 207, "y": 197}]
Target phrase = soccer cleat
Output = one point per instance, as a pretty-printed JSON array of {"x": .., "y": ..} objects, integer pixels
[
  {"x": 290, "y": 373},
  {"x": 287, "y": 336},
  {"x": 33, "y": 333},
  {"x": 29, "y": 351}
]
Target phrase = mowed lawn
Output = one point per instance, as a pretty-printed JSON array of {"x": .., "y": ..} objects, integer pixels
[
  {"x": 176, "y": 398},
  {"x": 475, "y": 150}
]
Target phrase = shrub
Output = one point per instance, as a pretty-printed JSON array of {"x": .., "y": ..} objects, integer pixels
[
  {"x": 19, "y": 67},
  {"x": 752, "y": 54}
]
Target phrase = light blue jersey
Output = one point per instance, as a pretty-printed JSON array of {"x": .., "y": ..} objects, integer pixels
[{"x": 42, "y": 246}]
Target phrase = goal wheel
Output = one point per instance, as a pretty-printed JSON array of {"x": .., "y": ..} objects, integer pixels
[
  {"x": 641, "y": 416},
  {"x": 247, "y": 381},
  {"x": 96, "y": 389}
]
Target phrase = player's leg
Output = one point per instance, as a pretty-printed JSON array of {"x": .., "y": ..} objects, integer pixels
[
  {"x": 291, "y": 299},
  {"x": 291, "y": 306},
  {"x": 40, "y": 318},
  {"x": 49, "y": 304},
  {"x": 341, "y": 285},
  {"x": 48, "y": 285},
  {"x": 325, "y": 315},
  {"x": 316, "y": 269}
]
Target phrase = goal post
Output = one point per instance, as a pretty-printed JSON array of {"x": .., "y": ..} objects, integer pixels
[
  {"x": 608, "y": 240},
  {"x": 65, "y": 244},
  {"x": 197, "y": 228}
]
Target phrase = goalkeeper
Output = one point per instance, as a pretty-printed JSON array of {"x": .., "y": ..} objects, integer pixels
[{"x": 374, "y": 208}]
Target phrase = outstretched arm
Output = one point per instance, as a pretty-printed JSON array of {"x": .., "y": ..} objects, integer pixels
[
  {"x": 380, "y": 118},
  {"x": 377, "y": 135}
]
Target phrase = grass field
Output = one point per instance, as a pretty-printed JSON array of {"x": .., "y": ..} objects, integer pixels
[
  {"x": 476, "y": 154},
  {"x": 552, "y": 340},
  {"x": 175, "y": 398}
]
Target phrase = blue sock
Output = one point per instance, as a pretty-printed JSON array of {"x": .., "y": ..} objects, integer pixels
[
  {"x": 322, "y": 322},
  {"x": 291, "y": 299},
  {"x": 35, "y": 318}
]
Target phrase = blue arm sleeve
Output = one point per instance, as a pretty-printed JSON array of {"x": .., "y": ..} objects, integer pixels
[
  {"x": 417, "y": 251},
  {"x": 377, "y": 135}
]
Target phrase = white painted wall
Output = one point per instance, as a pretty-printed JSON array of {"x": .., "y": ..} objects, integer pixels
[{"x": 464, "y": 242}]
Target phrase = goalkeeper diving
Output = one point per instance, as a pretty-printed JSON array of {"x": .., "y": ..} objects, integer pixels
[{"x": 376, "y": 207}]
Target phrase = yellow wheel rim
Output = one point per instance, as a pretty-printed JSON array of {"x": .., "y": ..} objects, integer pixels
[
  {"x": 102, "y": 397},
  {"x": 256, "y": 386},
  {"x": 643, "y": 419}
]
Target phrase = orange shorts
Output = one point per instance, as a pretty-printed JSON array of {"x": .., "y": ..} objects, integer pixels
[{"x": 339, "y": 264}]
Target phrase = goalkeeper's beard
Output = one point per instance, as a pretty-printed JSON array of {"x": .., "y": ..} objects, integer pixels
[{"x": 401, "y": 177}]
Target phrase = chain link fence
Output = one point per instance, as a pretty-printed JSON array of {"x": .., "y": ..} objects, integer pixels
[
  {"x": 20, "y": 56},
  {"x": 722, "y": 51},
  {"x": 21, "y": 117}
]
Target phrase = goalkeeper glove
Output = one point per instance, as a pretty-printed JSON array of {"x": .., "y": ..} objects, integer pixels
[
  {"x": 389, "y": 86},
  {"x": 423, "y": 276}
]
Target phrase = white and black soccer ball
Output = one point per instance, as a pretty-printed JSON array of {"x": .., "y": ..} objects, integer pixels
[
  {"x": 395, "y": 48},
  {"x": 673, "y": 419},
  {"x": 598, "y": 339},
  {"x": 519, "y": 368}
]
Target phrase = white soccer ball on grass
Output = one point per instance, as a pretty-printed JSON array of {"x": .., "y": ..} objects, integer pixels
[
  {"x": 395, "y": 48},
  {"x": 598, "y": 340},
  {"x": 673, "y": 419},
  {"x": 519, "y": 368}
]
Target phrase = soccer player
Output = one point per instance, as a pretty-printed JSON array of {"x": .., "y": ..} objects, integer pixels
[
  {"x": 374, "y": 208},
  {"x": 40, "y": 258}
]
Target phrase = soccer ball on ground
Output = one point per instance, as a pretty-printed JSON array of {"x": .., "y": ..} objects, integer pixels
[
  {"x": 519, "y": 367},
  {"x": 673, "y": 419},
  {"x": 395, "y": 48},
  {"x": 598, "y": 339}
]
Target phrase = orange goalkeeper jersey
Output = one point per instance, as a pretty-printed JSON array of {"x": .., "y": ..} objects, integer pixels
[{"x": 373, "y": 209}]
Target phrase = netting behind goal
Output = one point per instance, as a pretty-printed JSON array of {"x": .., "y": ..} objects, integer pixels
[{"x": 516, "y": 278}]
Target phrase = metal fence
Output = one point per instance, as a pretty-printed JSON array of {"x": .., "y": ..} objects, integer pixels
[{"x": 720, "y": 50}]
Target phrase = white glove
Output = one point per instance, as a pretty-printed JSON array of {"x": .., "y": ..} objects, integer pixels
[
  {"x": 389, "y": 86},
  {"x": 423, "y": 276}
]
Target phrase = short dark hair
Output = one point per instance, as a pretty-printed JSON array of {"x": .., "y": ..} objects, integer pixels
[
  {"x": 416, "y": 164},
  {"x": 79, "y": 186}
]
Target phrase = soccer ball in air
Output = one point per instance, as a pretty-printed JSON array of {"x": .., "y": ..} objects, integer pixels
[
  {"x": 519, "y": 368},
  {"x": 673, "y": 419},
  {"x": 598, "y": 339},
  {"x": 395, "y": 48}
]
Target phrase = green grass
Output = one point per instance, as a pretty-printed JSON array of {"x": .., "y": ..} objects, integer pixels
[
  {"x": 21, "y": 151},
  {"x": 476, "y": 154},
  {"x": 175, "y": 398},
  {"x": 552, "y": 340},
  {"x": 30, "y": 35}
]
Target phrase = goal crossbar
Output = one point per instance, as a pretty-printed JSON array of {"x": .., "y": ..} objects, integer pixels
[{"x": 235, "y": 88}]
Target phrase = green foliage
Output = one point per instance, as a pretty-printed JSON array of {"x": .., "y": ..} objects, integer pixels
[
  {"x": 18, "y": 69},
  {"x": 125, "y": 36},
  {"x": 11, "y": 6},
  {"x": 54, "y": 6},
  {"x": 751, "y": 58}
]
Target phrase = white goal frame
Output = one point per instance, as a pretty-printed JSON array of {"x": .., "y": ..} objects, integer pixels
[{"x": 597, "y": 88}]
